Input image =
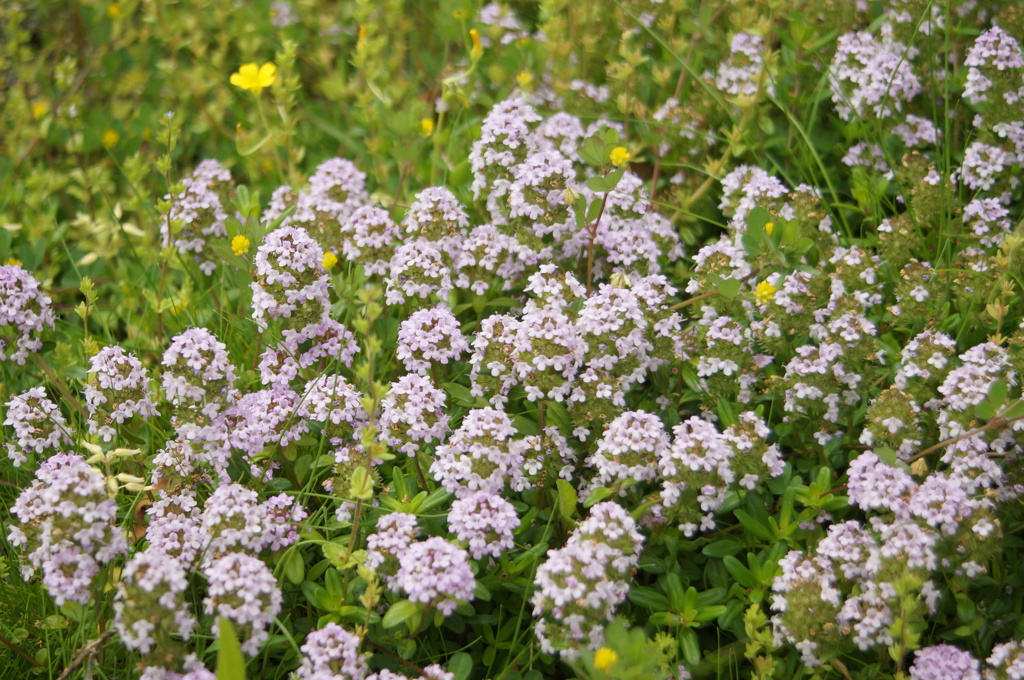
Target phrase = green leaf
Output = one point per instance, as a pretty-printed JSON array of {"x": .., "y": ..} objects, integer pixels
[
  {"x": 249, "y": 149},
  {"x": 690, "y": 646},
  {"x": 230, "y": 663},
  {"x": 597, "y": 495},
  {"x": 362, "y": 484},
  {"x": 723, "y": 547},
  {"x": 673, "y": 588},
  {"x": 760, "y": 529},
  {"x": 751, "y": 244},
  {"x": 460, "y": 393},
  {"x": 399, "y": 613},
  {"x": 886, "y": 455},
  {"x": 294, "y": 567},
  {"x": 461, "y": 665},
  {"x": 740, "y": 572},
  {"x": 567, "y": 499},
  {"x": 649, "y": 598},
  {"x": 728, "y": 288},
  {"x": 757, "y": 219}
]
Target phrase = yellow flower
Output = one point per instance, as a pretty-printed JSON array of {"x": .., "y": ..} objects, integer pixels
[
  {"x": 110, "y": 138},
  {"x": 39, "y": 109},
  {"x": 114, "y": 11},
  {"x": 240, "y": 245},
  {"x": 254, "y": 78},
  {"x": 764, "y": 292},
  {"x": 478, "y": 49},
  {"x": 330, "y": 259},
  {"x": 427, "y": 127},
  {"x": 769, "y": 227},
  {"x": 13, "y": 261},
  {"x": 460, "y": 14},
  {"x": 619, "y": 156},
  {"x": 524, "y": 79},
  {"x": 604, "y": 658}
]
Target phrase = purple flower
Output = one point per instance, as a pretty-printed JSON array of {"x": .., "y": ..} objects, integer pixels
[
  {"x": 580, "y": 585},
  {"x": 436, "y": 215},
  {"x": 436, "y": 573},
  {"x": 429, "y": 336},
  {"x": 417, "y": 271},
  {"x": 332, "y": 652},
  {"x": 67, "y": 527},
  {"x": 412, "y": 414},
  {"x": 370, "y": 239},
  {"x": 200, "y": 210},
  {"x": 243, "y": 589},
  {"x": 24, "y": 312},
  {"x": 396, "y": 531},
  {"x": 485, "y": 521},
  {"x": 480, "y": 455},
  {"x": 870, "y": 76},
  {"x": 118, "y": 390},
  {"x": 629, "y": 449},
  {"x": 290, "y": 279},
  {"x": 150, "y": 602},
  {"x": 944, "y": 662},
  {"x": 38, "y": 425}
]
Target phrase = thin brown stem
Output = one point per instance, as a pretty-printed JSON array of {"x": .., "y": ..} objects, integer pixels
[
  {"x": 384, "y": 650},
  {"x": 592, "y": 228},
  {"x": 19, "y": 651},
  {"x": 88, "y": 650},
  {"x": 990, "y": 425}
]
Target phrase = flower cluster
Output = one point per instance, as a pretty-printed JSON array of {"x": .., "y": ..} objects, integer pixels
[
  {"x": 68, "y": 527},
  {"x": 198, "y": 380},
  {"x": 412, "y": 414},
  {"x": 332, "y": 652},
  {"x": 323, "y": 208},
  {"x": 150, "y": 608},
  {"x": 235, "y": 520},
  {"x": 485, "y": 521},
  {"x": 370, "y": 236},
  {"x": 118, "y": 391},
  {"x": 242, "y": 588},
  {"x": 480, "y": 455},
  {"x": 435, "y": 573},
  {"x": 38, "y": 426},
  {"x": 396, "y": 531},
  {"x": 580, "y": 585},
  {"x": 290, "y": 280},
  {"x": 24, "y": 313},
  {"x": 872, "y": 77},
  {"x": 429, "y": 337},
  {"x": 198, "y": 217},
  {"x": 702, "y": 464},
  {"x": 742, "y": 72},
  {"x": 629, "y": 449}
]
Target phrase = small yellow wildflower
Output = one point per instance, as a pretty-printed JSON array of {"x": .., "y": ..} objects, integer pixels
[
  {"x": 524, "y": 79},
  {"x": 460, "y": 14},
  {"x": 478, "y": 49},
  {"x": 619, "y": 156},
  {"x": 114, "y": 11},
  {"x": 110, "y": 138},
  {"x": 768, "y": 228},
  {"x": 13, "y": 261},
  {"x": 254, "y": 78},
  {"x": 427, "y": 127},
  {"x": 362, "y": 35},
  {"x": 764, "y": 292},
  {"x": 330, "y": 259},
  {"x": 39, "y": 109},
  {"x": 604, "y": 658},
  {"x": 240, "y": 245}
]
